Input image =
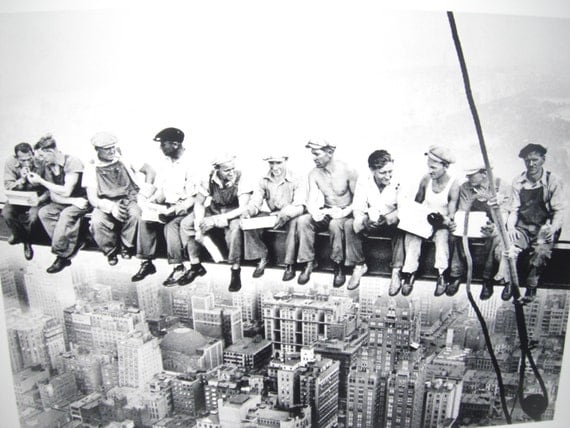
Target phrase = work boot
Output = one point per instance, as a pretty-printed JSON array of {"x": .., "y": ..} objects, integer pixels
[
  {"x": 177, "y": 273},
  {"x": 289, "y": 273},
  {"x": 408, "y": 280},
  {"x": 395, "y": 283},
  {"x": 507, "y": 293},
  {"x": 453, "y": 286},
  {"x": 440, "y": 285},
  {"x": 529, "y": 295},
  {"x": 146, "y": 269},
  {"x": 28, "y": 251},
  {"x": 486, "y": 290},
  {"x": 13, "y": 240},
  {"x": 112, "y": 258},
  {"x": 305, "y": 276},
  {"x": 339, "y": 277},
  {"x": 191, "y": 274},
  {"x": 127, "y": 253},
  {"x": 58, "y": 265},
  {"x": 357, "y": 273},
  {"x": 260, "y": 268},
  {"x": 235, "y": 283}
]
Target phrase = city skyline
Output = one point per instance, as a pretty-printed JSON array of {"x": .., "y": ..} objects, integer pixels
[{"x": 399, "y": 347}]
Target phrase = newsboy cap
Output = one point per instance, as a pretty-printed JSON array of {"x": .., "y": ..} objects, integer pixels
[
  {"x": 102, "y": 140},
  {"x": 319, "y": 144},
  {"x": 222, "y": 159},
  {"x": 529, "y": 148},
  {"x": 276, "y": 158},
  {"x": 475, "y": 168},
  {"x": 440, "y": 154},
  {"x": 170, "y": 134}
]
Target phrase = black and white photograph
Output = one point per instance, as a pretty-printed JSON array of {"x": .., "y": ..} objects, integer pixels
[{"x": 303, "y": 214}]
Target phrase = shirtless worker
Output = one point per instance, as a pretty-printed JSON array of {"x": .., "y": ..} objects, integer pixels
[{"x": 336, "y": 181}]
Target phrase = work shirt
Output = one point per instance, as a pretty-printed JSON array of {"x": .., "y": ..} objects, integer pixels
[
  {"x": 552, "y": 194},
  {"x": 69, "y": 165},
  {"x": 475, "y": 198},
  {"x": 13, "y": 172},
  {"x": 278, "y": 192},
  {"x": 370, "y": 200},
  {"x": 174, "y": 178}
]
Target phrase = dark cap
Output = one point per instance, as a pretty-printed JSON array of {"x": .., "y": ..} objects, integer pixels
[
  {"x": 170, "y": 134},
  {"x": 529, "y": 148}
]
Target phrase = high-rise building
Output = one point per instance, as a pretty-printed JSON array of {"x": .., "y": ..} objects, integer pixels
[
  {"x": 236, "y": 408},
  {"x": 248, "y": 353},
  {"x": 393, "y": 331},
  {"x": 188, "y": 395},
  {"x": 220, "y": 321},
  {"x": 38, "y": 339},
  {"x": 296, "y": 320},
  {"x": 365, "y": 395},
  {"x": 9, "y": 289},
  {"x": 49, "y": 294},
  {"x": 58, "y": 391},
  {"x": 186, "y": 350},
  {"x": 149, "y": 297},
  {"x": 100, "y": 327},
  {"x": 248, "y": 301},
  {"x": 182, "y": 304},
  {"x": 442, "y": 399},
  {"x": 139, "y": 359},
  {"x": 318, "y": 388},
  {"x": 87, "y": 369},
  {"x": 400, "y": 397}
]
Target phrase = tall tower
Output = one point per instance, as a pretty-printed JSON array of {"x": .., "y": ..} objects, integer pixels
[{"x": 139, "y": 360}]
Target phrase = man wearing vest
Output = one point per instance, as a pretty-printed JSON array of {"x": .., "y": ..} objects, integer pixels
[
  {"x": 219, "y": 203},
  {"x": 474, "y": 195},
  {"x": 20, "y": 219},
  {"x": 439, "y": 192},
  {"x": 174, "y": 191},
  {"x": 536, "y": 217},
  {"x": 112, "y": 191},
  {"x": 61, "y": 218}
]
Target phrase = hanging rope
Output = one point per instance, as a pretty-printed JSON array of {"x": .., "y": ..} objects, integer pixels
[
  {"x": 488, "y": 343},
  {"x": 535, "y": 404}
]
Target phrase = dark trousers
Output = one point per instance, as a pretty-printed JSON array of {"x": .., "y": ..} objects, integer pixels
[
  {"x": 492, "y": 250},
  {"x": 62, "y": 224},
  {"x": 307, "y": 228},
  {"x": 147, "y": 235},
  {"x": 255, "y": 248},
  {"x": 20, "y": 220},
  {"x": 534, "y": 256},
  {"x": 233, "y": 236},
  {"x": 106, "y": 230},
  {"x": 355, "y": 252}
]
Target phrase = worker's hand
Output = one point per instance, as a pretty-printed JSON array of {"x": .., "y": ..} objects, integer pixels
[
  {"x": 33, "y": 178},
  {"x": 80, "y": 203},
  {"x": 119, "y": 212}
]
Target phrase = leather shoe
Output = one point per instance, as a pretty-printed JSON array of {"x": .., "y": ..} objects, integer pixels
[
  {"x": 112, "y": 259},
  {"x": 408, "y": 283},
  {"x": 13, "y": 240},
  {"x": 305, "y": 276},
  {"x": 260, "y": 268},
  {"x": 453, "y": 286},
  {"x": 28, "y": 251},
  {"x": 530, "y": 294},
  {"x": 357, "y": 273},
  {"x": 58, "y": 265},
  {"x": 339, "y": 276},
  {"x": 191, "y": 274},
  {"x": 174, "y": 276},
  {"x": 395, "y": 283},
  {"x": 126, "y": 253},
  {"x": 289, "y": 273},
  {"x": 235, "y": 282},
  {"x": 486, "y": 290},
  {"x": 147, "y": 268},
  {"x": 507, "y": 293},
  {"x": 440, "y": 285}
]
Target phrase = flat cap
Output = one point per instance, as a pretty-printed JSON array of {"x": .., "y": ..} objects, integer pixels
[
  {"x": 474, "y": 168},
  {"x": 222, "y": 159},
  {"x": 529, "y": 148},
  {"x": 276, "y": 158},
  {"x": 319, "y": 144},
  {"x": 440, "y": 154},
  {"x": 170, "y": 134},
  {"x": 104, "y": 139},
  {"x": 54, "y": 158}
]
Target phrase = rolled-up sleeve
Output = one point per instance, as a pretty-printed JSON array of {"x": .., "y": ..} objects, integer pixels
[
  {"x": 360, "y": 199},
  {"x": 557, "y": 202}
]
